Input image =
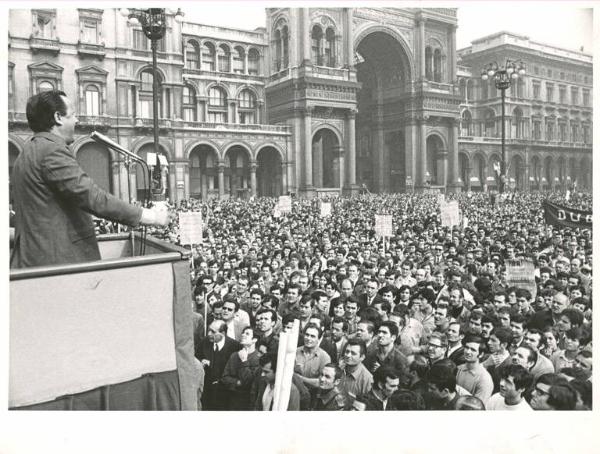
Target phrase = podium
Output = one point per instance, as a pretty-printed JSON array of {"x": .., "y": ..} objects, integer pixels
[{"x": 113, "y": 334}]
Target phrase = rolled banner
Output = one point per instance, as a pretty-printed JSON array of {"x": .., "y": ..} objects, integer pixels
[{"x": 285, "y": 369}]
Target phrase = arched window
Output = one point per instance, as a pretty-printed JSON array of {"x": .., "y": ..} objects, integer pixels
[
  {"x": 466, "y": 123},
  {"x": 224, "y": 59},
  {"x": 92, "y": 101},
  {"x": 517, "y": 123},
  {"x": 330, "y": 47},
  {"x": 217, "y": 105},
  {"x": 285, "y": 40},
  {"x": 192, "y": 55},
  {"x": 278, "y": 50},
  {"x": 188, "y": 104},
  {"x": 239, "y": 56},
  {"x": 146, "y": 78},
  {"x": 428, "y": 63},
  {"x": 490, "y": 124},
  {"x": 437, "y": 65},
  {"x": 247, "y": 107},
  {"x": 45, "y": 86},
  {"x": 317, "y": 45},
  {"x": 145, "y": 95},
  {"x": 469, "y": 94},
  {"x": 484, "y": 89},
  {"x": 208, "y": 57},
  {"x": 253, "y": 62}
]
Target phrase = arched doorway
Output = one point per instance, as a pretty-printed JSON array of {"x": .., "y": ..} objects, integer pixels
[
  {"x": 435, "y": 160},
  {"x": 141, "y": 180},
  {"x": 383, "y": 69},
  {"x": 326, "y": 159},
  {"x": 535, "y": 175},
  {"x": 548, "y": 177},
  {"x": 13, "y": 154},
  {"x": 465, "y": 171},
  {"x": 204, "y": 176},
  {"x": 492, "y": 178},
  {"x": 95, "y": 159},
  {"x": 237, "y": 172},
  {"x": 269, "y": 178},
  {"x": 394, "y": 142},
  {"x": 516, "y": 173},
  {"x": 586, "y": 174},
  {"x": 478, "y": 173}
]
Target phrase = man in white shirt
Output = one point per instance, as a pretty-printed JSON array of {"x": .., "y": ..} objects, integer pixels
[{"x": 514, "y": 381}]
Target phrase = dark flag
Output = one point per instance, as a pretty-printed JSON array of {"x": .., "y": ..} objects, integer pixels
[{"x": 562, "y": 216}]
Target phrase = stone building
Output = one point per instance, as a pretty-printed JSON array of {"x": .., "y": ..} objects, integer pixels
[
  {"x": 548, "y": 115},
  {"x": 320, "y": 101}
]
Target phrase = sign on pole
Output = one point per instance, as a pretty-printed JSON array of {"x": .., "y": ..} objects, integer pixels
[
  {"x": 383, "y": 225},
  {"x": 285, "y": 204},
  {"x": 325, "y": 209},
  {"x": 441, "y": 199},
  {"x": 520, "y": 274},
  {"x": 450, "y": 214},
  {"x": 190, "y": 227}
]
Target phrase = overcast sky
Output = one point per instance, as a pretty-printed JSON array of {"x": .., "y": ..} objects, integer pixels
[{"x": 562, "y": 24}]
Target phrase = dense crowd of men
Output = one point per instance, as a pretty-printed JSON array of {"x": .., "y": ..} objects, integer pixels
[{"x": 425, "y": 321}]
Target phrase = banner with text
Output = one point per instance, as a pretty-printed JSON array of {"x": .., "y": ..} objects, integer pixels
[{"x": 562, "y": 216}]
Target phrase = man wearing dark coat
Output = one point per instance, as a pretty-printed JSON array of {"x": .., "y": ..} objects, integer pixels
[
  {"x": 214, "y": 351},
  {"x": 54, "y": 198}
]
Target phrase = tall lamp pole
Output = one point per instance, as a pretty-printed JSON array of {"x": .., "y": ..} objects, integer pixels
[
  {"x": 153, "y": 23},
  {"x": 503, "y": 77}
]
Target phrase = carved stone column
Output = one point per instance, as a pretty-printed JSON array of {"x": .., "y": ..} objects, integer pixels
[
  {"x": 308, "y": 164},
  {"x": 454, "y": 171},
  {"x": 422, "y": 124},
  {"x": 221, "y": 178},
  {"x": 350, "y": 179},
  {"x": 253, "y": 167}
]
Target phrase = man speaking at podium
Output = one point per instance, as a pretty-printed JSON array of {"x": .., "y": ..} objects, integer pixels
[{"x": 54, "y": 198}]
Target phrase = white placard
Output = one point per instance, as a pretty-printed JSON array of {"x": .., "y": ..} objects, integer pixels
[
  {"x": 285, "y": 204},
  {"x": 383, "y": 225},
  {"x": 190, "y": 227},
  {"x": 325, "y": 209},
  {"x": 441, "y": 199},
  {"x": 450, "y": 214}
]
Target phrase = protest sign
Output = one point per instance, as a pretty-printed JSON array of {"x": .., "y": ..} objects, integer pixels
[
  {"x": 520, "y": 274},
  {"x": 383, "y": 225},
  {"x": 325, "y": 209},
  {"x": 285, "y": 204},
  {"x": 450, "y": 214},
  {"x": 190, "y": 227}
]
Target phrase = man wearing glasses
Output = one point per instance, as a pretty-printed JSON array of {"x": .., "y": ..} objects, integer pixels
[
  {"x": 436, "y": 347},
  {"x": 234, "y": 326}
]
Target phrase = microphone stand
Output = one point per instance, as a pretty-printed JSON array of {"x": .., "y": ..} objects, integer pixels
[{"x": 102, "y": 139}]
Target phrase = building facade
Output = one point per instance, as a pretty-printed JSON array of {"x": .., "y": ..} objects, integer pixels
[
  {"x": 548, "y": 115},
  {"x": 321, "y": 101}
]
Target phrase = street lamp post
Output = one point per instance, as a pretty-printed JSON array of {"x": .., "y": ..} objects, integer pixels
[
  {"x": 153, "y": 23},
  {"x": 503, "y": 77}
]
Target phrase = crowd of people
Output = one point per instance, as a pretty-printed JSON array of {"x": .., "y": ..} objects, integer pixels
[{"x": 426, "y": 320}]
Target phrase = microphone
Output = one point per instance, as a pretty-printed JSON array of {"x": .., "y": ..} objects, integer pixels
[{"x": 102, "y": 139}]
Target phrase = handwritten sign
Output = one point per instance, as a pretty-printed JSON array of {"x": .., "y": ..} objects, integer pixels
[
  {"x": 383, "y": 225},
  {"x": 520, "y": 274},
  {"x": 285, "y": 204},
  {"x": 190, "y": 228},
  {"x": 450, "y": 214},
  {"x": 325, "y": 209}
]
